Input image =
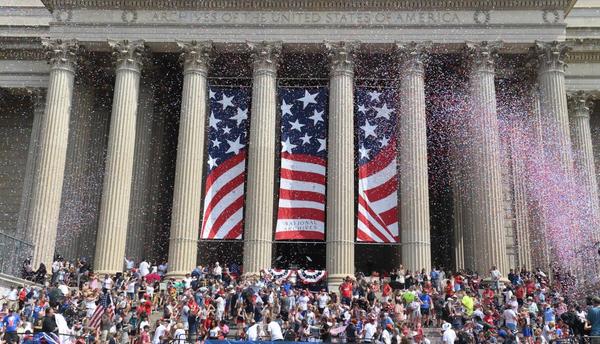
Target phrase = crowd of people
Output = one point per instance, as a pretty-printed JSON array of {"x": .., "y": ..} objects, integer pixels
[{"x": 142, "y": 305}]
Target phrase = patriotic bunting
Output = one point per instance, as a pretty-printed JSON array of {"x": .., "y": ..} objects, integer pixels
[
  {"x": 311, "y": 276},
  {"x": 280, "y": 274},
  {"x": 375, "y": 113},
  {"x": 226, "y": 163},
  {"x": 301, "y": 214}
]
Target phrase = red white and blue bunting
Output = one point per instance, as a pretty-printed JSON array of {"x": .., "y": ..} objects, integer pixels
[
  {"x": 311, "y": 276},
  {"x": 280, "y": 274},
  {"x": 306, "y": 276}
]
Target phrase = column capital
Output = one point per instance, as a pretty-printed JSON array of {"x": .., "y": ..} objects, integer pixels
[
  {"x": 412, "y": 55},
  {"x": 482, "y": 55},
  {"x": 342, "y": 56},
  {"x": 265, "y": 55},
  {"x": 61, "y": 54},
  {"x": 581, "y": 103},
  {"x": 550, "y": 56},
  {"x": 195, "y": 55},
  {"x": 128, "y": 54}
]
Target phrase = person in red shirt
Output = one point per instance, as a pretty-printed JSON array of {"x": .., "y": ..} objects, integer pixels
[
  {"x": 145, "y": 335},
  {"x": 346, "y": 291},
  {"x": 449, "y": 290},
  {"x": 387, "y": 289},
  {"x": 488, "y": 318},
  {"x": 458, "y": 281},
  {"x": 488, "y": 296},
  {"x": 520, "y": 294}
]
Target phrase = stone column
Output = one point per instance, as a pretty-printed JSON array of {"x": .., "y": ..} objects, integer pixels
[
  {"x": 114, "y": 208},
  {"x": 581, "y": 137},
  {"x": 38, "y": 97},
  {"x": 412, "y": 141},
  {"x": 488, "y": 210},
  {"x": 260, "y": 183},
  {"x": 53, "y": 140},
  {"x": 540, "y": 257},
  {"x": 341, "y": 221},
  {"x": 521, "y": 207},
  {"x": 187, "y": 193},
  {"x": 553, "y": 103}
]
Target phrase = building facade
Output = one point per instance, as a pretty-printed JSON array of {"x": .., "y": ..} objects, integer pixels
[{"x": 107, "y": 109}]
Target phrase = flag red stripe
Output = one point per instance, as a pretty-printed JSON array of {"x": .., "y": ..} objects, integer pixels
[
  {"x": 235, "y": 231},
  {"x": 224, "y": 167},
  {"x": 299, "y": 235},
  {"x": 301, "y": 195},
  {"x": 303, "y": 176},
  {"x": 301, "y": 213},
  {"x": 383, "y": 159},
  {"x": 370, "y": 211},
  {"x": 389, "y": 216},
  {"x": 222, "y": 192},
  {"x": 362, "y": 218},
  {"x": 383, "y": 190},
  {"x": 304, "y": 158},
  {"x": 225, "y": 215}
]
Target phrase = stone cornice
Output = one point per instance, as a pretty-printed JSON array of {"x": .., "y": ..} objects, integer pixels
[{"x": 350, "y": 5}]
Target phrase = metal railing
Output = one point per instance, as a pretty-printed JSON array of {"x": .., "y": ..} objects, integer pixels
[{"x": 13, "y": 251}]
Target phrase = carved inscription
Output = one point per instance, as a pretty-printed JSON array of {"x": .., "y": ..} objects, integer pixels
[{"x": 303, "y": 18}]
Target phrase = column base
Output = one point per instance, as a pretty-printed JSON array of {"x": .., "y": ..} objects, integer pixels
[
  {"x": 106, "y": 272},
  {"x": 178, "y": 275}
]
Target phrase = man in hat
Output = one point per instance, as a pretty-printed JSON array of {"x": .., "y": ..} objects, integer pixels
[{"x": 448, "y": 334}]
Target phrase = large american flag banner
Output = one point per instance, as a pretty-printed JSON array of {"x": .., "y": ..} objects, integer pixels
[
  {"x": 226, "y": 163},
  {"x": 375, "y": 113},
  {"x": 301, "y": 214}
]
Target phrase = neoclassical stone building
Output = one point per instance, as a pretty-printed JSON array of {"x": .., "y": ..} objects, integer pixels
[{"x": 105, "y": 108}]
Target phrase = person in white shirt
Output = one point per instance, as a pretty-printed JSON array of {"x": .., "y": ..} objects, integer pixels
[
  {"x": 129, "y": 264},
  {"x": 510, "y": 318},
  {"x": 107, "y": 282},
  {"x": 386, "y": 335},
  {"x": 274, "y": 330},
  {"x": 159, "y": 332},
  {"x": 220, "y": 301},
  {"x": 323, "y": 300},
  {"x": 144, "y": 268},
  {"x": 303, "y": 301},
  {"x": 218, "y": 271},
  {"x": 370, "y": 330},
  {"x": 252, "y": 333},
  {"x": 179, "y": 335},
  {"x": 449, "y": 336}
]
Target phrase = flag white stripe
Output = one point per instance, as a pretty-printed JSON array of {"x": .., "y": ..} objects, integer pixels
[
  {"x": 380, "y": 177},
  {"x": 365, "y": 229},
  {"x": 291, "y": 225},
  {"x": 223, "y": 203},
  {"x": 373, "y": 221},
  {"x": 233, "y": 220},
  {"x": 302, "y": 166},
  {"x": 287, "y": 203},
  {"x": 384, "y": 204},
  {"x": 222, "y": 180},
  {"x": 297, "y": 185}
]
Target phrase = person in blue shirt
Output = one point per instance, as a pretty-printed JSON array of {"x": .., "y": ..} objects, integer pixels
[
  {"x": 425, "y": 307},
  {"x": 549, "y": 315},
  {"x": 593, "y": 319},
  {"x": 10, "y": 323}
]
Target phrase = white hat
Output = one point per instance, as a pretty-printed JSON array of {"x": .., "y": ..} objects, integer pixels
[{"x": 446, "y": 326}]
